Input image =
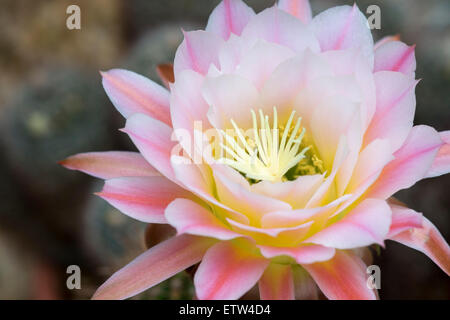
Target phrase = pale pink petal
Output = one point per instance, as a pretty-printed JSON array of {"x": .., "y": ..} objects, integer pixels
[
  {"x": 366, "y": 224},
  {"x": 331, "y": 119},
  {"x": 441, "y": 164},
  {"x": 197, "y": 52},
  {"x": 110, "y": 164},
  {"x": 297, "y": 192},
  {"x": 428, "y": 240},
  {"x": 154, "y": 141},
  {"x": 341, "y": 278},
  {"x": 277, "y": 283},
  {"x": 261, "y": 60},
  {"x": 411, "y": 164},
  {"x": 227, "y": 271},
  {"x": 273, "y": 236},
  {"x": 386, "y": 39},
  {"x": 396, "y": 105},
  {"x": 132, "y": 93},
  {"x": 189, "y": 217},
  {"x": 188, "y": 109},
  {"x": 351, "y": 62},
  {"x": 242, "y": 200},
  {"x": 371, "y": 162},
  {"x": 343, "y": 27},
  {"x": 275, "y": 25},
  {"x": 403, "y": 219},
  {"x": 395, "y": 56},
  {"x": 225, "y": 106},
  {"x": 233, "y": 51},
  {"x": 298, "y": 8},
  {"x": 142, "y": 198},
  {"x": 289, "y": 78},
  {"x": 154, "y": 266},
  {"x": 301, "y": 254},
  {"x": 230, "y": 16},
  {"x": 199, "y": 182},
  {"x": 328, "y": 187},
  {"x": 290, "y": 218}
]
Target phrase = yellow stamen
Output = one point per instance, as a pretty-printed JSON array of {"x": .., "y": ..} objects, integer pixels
[{"x": 265, "y": 156}]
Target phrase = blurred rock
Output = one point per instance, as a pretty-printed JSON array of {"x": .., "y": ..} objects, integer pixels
[
  {"x": 33, "y": 33},
  {"x": 58, "y": 113}
]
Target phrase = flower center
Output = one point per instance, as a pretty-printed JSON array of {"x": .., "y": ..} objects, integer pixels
[{"x": 272, "y": 153}]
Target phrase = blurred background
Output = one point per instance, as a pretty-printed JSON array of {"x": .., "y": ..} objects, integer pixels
[{"x": 52, "y": 105}]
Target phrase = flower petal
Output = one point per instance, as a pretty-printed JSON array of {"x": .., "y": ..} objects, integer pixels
[
  {"x": 225, "y": 106},
  {"x": 395, "y": 56},
  {"x": 189, "y": 217},
  {"x": 275, "y": 25},
  {"x": 154, "y": 266},
  {"x": 411, "y": 164},
  {"x": 367, "y": 224},
  {"x": 386, "y": 39},
  {"x": 154, "y": 141},
  {"x": 396, "y": 104},
  {"x": 403, "y": 219},
  {"x": 230, "y": 16},
  {"x": 341, "y": 278},
  {"x": 132, "y": 93},
  {"x": 110, "y": 164},
  {"x": 242, "y": 200},
  {"x": 142, "y": 198},
  {"x": 227, "y": 271},
  {"x": 298, "y": 8},
  {"x": 441, "y": 164},
  {"x": 427, "y": 239},
  {"x": 197, "y": 52},
  {"x": 343, "y": 27},
  {"x": 277, "y": 283},
  {"x": 301, "y": 254},
  {"x": 261, "y": 60},
  {"x": 297, "y": 193}
]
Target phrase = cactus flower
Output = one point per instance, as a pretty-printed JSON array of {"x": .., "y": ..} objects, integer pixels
[{"x": 274, "y": 153}]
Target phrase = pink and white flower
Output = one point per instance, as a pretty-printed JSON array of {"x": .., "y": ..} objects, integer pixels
[{"x": 313, "y": 128}]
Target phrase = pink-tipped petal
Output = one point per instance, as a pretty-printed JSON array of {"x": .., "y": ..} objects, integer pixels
[
  {"x": 396, "y": 104},
  {"x": 154, "y": 266},
  {"x": 227, "y": 271},
  {"x": 343, "y": 27},
  {"x": 386, "y": 39},
  {"x": 230, "y": 16},
  {"x": 261, "y": 60},
  {"x": 142, "y": 198},
  {"x": 189, "y": 217},
  {"x": 367, "y": 224},
  {"x": 277, "y": 283},
  {"x": 132, "y": 93},
  {"x": 298, "y": 8},
  {"x": 242, "y": 200},
  {"x": 225, "y": 106},
  {"x": 411, "y": 164},
  {"x": 403, "y": 219},
  {"x": 197, "y": 52},
  {"x": 342, "y": 278},
  {"x": 302, "y": 254},
  {"x": 154, "y": 141},
  {"x": 395, "y": 56},
  {"x": 110, "y": 164},
  {"x": 428, "y": 240},
  {"x": 275, "y": 25},
  {"x": 441, "y": 164}
]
